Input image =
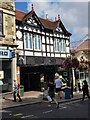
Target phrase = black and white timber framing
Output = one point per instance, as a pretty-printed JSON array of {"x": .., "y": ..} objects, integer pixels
[{"x": 41, "y": 42}]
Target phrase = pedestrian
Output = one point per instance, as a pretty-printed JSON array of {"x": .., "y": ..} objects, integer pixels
[
  {"x": 51, "y": 92},
  {"x": 85, "y": 90},
  {"x": 16, "y": 91},
  {"x": 58, "y": 85}
]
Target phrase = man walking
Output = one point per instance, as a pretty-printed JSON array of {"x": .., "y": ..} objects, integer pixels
[
  {"x": 58, "y": 85},
  {"x": 51, "y": 92}
]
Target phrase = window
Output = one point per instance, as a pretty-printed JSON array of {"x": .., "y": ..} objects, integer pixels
[
  {"x": 28, "y": 40},
  {"x": 37, "y": 42},
  {"x": 56, "y": 45},
  {"x": 63, "y": 45},
  {"x": 59, "y": 45},
  {"x": 1, "y": 24}
]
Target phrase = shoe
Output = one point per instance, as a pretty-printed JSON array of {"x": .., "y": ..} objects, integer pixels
[
  {"x": 19, "y": 100},
  {"x": 14, "y": 100}
]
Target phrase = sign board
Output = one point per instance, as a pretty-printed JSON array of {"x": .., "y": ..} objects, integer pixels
[
  {"x": 7, "y": 54},
  {"x": 1, "y": 75}
]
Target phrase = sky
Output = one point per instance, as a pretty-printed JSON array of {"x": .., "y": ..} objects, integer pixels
[{"x": 74, "y": 15}]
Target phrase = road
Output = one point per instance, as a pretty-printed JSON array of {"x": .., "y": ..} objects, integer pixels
[{"x": 75, "y": 109}]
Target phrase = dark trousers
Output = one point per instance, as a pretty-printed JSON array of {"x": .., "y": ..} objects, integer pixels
[
  {"x": 86, "y": 93},
  {"x": 14, "y": 95}
]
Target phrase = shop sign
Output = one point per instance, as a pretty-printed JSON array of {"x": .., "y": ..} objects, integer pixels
[{"x": 6, "y": 54}]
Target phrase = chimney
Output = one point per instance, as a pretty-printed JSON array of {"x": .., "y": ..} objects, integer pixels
[
  {"x": 32, "y": 8},
  {"x": 46, "y": 16},
  {"x": 58, "y": 17}
]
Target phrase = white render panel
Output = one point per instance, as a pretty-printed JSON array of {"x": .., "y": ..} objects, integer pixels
[
  {"x": 51, "y": 41},
  {"x": 43, "y": 47},
  {"x": 51, "y": 48},
  {"x": 48, "y": 54},
  {"x": 28, "y": 53},
  {"x": 58, "y": 35},
  {"x": 48, "y": 49},
  {"x": 30, "y": 29},
  {"x": 63, "y": 55},
  {"x": 47, "y": 40},
  {"x": 37, "y": 54},
  {"x": 25, "y": 28},
  {"x": 47, "y": 33},
  {"x": 21, "y": 52},
  {"x": 67, "y": 49},
  {"x": 43, "y": 39},
  {"x": 52, "y": 55},
  {"x": 57, "y": 55},
  {"x": 20, "y": 44},
  {"x": 44, "y": 54},
  {"x": 39, "y": 31},
  {"x": 43, "y": 32},
  {"x": 20, "y": 27},
  {"x": 34, "y": 30},
  {"x": 61, "y": 35}
]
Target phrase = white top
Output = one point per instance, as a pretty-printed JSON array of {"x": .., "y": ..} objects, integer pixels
[
  {"x": 15, "y": 87},
  {"x": 58, "y": 83}
]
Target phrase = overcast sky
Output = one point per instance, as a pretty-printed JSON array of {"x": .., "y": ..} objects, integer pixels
[{"x": 74, "y": 15}]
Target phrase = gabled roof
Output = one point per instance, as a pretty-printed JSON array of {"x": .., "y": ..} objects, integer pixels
[
  {"x": 19, "y": 15},
  {"x": 48, "y": 24},
  {"x": 51, "y": 25},
  {"x": 85, "y": 46}
]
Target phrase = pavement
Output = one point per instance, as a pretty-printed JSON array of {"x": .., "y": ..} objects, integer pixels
[{"x": 32, "y": 97}]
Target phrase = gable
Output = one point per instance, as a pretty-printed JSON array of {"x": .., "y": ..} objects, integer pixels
[{"x": 32, "y": 19}]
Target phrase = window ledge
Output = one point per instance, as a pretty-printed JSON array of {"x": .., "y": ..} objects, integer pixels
[{"x": 2, "y": 35}]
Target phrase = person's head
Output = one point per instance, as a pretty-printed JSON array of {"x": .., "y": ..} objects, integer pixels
[
  {"x": 85, "y": 82},
  {"x": 56, "y": 75},
  {"x": 60, "y": 77}
]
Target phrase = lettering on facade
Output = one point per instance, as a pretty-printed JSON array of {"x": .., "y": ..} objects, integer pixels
[{"x": 3, "y": 53}]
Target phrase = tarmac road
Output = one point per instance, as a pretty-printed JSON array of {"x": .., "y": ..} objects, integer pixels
[{"x": 74, "y": 109}]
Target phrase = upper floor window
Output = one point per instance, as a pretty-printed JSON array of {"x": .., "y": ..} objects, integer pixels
[
  {"x": 63, "y": 45},
  {"x": 28, "y": 40},
  {"x": 56, "y": 45},
  {"x": 59, "y": 45},
  {"x": 1, "y": 24},
  {"x": 37, "y": 42}
]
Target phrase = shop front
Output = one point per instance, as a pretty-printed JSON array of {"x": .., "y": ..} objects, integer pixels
[
  {"x": 36, "y": 76},
  {"x": 6, "y": 70}
]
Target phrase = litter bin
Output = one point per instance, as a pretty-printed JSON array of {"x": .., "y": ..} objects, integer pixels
[
  {"x": 67, "y": 93},
  {"x": 21, "y": 90}
]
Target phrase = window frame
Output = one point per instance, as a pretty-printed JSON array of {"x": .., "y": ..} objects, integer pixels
[{"x": 27, "y": 41}]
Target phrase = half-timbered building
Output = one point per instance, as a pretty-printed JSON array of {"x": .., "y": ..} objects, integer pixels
[{"x": 43, "y": 44}]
